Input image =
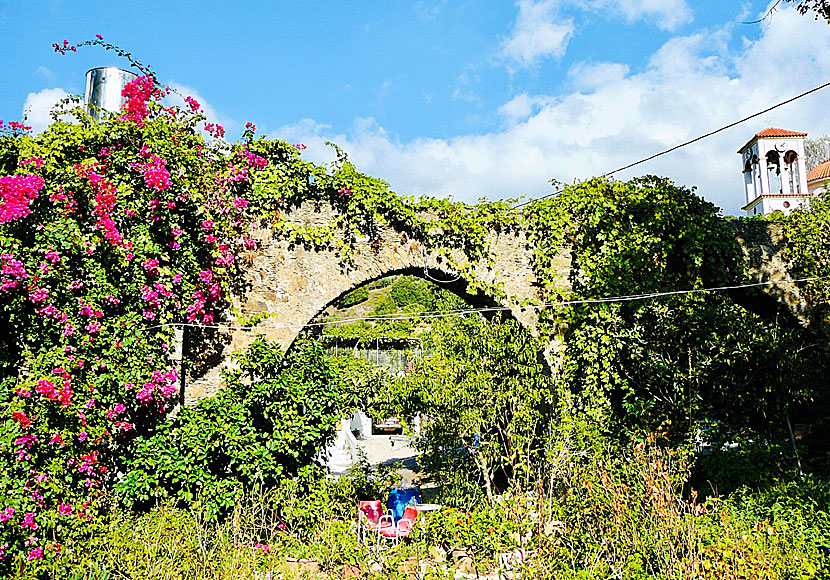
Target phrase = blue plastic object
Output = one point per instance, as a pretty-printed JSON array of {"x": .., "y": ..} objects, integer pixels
[{"x": 400, "y": 498}]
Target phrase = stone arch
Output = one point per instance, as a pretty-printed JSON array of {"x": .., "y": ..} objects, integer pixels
[{"x": 286, "y": 284}]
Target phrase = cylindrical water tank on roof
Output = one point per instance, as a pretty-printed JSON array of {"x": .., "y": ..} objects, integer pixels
[{"x": 103, "y": 89}]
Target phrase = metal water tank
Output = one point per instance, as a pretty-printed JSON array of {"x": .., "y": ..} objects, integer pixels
[{"x": 103, "y": 89}]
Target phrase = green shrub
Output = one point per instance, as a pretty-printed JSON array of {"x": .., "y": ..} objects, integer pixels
[
  {"x": 382, "y": 282},
  {"x": 353, "y": 297},
  {"x": 754, "y": 465},
  {"x": 409, "y": 290},
  {"x": 270, "y": 422},
  {"x": 385, "y": 307}
]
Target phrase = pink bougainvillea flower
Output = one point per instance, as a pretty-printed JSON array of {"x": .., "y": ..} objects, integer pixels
[
  {"x": 22, "y": 419},
  {"x": 38, "y": 295},
  {"x": 16, "y": 193},
  {"x": 36, "y": 161},
  {"x": 138, "y": 92},
  {"x": 151, "y": 297},
  {"x": 155, "y": 173},
  {"x": 12, "y": 267},
  {"x": 215, "y": 130},
  {"x": 52, "y": 256},
  {"x": 151, "y": 266},
  {"x": 29, "y": 521},
  {"x": 47, "y": 389},
  {"x": 193, "y": 103}
]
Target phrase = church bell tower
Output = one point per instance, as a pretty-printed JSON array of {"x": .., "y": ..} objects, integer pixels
[{"x": 775, "y": 175}]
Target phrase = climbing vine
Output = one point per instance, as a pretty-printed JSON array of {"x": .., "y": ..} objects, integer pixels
[{"x": 114, "y": 232}]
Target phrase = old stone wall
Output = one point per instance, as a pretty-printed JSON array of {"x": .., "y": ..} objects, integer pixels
[{"x": 292, "y": 284}]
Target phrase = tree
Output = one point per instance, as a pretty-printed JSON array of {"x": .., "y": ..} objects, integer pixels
[
  {"x": 820, "y": 7},
  {"x": 817, "y": 151},
  {"x": 489, "y": 401}
]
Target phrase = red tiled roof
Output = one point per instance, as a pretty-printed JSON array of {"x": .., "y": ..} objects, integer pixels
[
  {"x": 820, "y": 172},
  {"x": 774, "y": 132}
]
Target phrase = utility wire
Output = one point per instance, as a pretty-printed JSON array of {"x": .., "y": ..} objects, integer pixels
[
  {"x": 695, "y": 140},
  {"x": 433, "y": 314}
]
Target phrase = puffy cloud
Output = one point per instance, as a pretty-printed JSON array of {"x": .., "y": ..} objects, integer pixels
[
  {"x": 522, "y": 106},
  {"x": 539, "y": 32},
  {"x": 667, "y": 14},
  {"x": 38, "y": 105},
  {"x": 613, "y": 117}
]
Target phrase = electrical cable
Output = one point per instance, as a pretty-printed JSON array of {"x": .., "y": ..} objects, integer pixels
[
  {"x": 680, "y": 146},
  {"x": 434, "y": 314}
]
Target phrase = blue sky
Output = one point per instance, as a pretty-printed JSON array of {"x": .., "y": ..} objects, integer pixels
[{"x": 467, "y": 98}]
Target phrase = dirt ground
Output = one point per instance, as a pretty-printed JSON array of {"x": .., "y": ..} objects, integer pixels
[{"x": 388, "y": 449}]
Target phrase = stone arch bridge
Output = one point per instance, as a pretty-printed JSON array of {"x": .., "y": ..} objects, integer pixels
[{"x": 291, "y": 284}]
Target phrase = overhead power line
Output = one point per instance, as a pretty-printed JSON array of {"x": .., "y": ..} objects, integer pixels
[
  {"x": 434, "y": 314},
  {"x": 691, "y": 141}
]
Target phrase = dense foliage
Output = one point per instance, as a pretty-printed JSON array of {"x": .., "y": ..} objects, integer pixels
[
  {"x": 490, "y": 401},
  {"x": 116, "y": 235},
  {"x": 676, "y": 361},
  {"x": 269, "y": 423},
  {"x": 816, "y": 151}
]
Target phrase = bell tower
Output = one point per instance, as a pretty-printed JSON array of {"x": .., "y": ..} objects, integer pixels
[{"x": 775, "y": 175}]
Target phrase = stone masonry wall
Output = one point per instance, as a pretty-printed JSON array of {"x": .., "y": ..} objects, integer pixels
[{"x": 292, "y": 284}]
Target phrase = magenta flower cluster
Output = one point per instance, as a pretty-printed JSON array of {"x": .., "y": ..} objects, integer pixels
[{"x": 16, "y": 193}]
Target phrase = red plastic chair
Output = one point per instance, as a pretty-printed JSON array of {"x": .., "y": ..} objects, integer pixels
[
  {"x": 370, "y": 517},
  {"x": 402, "y": 530}
]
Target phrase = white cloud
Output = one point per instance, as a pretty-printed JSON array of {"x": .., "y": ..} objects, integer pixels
[
  {"x": 668, "y": 14},
  {"x": 613, "y": 117},
  {"x": 586, "y": 76},
  {"x": 539, "y": 32},
  {"x": 38, "y": 105},
  {"x": 522, "y": 106}
]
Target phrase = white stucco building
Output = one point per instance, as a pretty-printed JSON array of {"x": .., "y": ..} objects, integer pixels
[
  {"x": 775, "y": 175},
  {"x": 818, "y": 179}
]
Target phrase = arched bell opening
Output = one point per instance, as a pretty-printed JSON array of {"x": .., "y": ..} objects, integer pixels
[
  {"x": 791, "y": 167},
  {"x": 774, "y": 172}
]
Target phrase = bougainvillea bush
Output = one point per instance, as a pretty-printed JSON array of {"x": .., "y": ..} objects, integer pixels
[{"x": 109, "y": 232}]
